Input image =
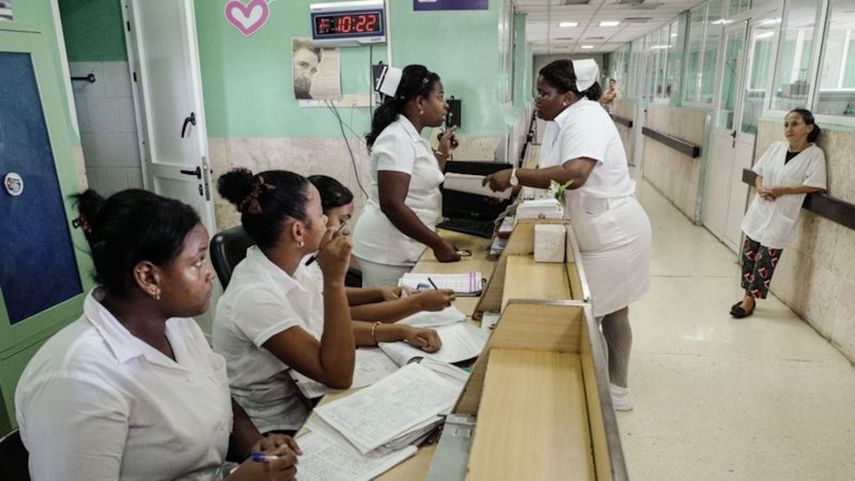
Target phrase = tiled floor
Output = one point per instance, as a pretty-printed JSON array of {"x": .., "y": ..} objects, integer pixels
[{"x": 764, "y": 398}]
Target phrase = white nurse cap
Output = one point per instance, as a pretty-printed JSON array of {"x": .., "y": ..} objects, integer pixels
[
  {"x": 390, "y": 78},
  {"x": 587, "y": 73}
]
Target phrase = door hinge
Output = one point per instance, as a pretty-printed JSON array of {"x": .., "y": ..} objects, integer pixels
[
  {"x": 128, "y": 24},
  {"x": 135, "y": 76}
]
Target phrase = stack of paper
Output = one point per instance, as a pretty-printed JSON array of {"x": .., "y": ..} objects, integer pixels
[
  {"x": 390, "y": 410},
  {"x": 540, "y": 209},
  {"x": 327, "y": 456},
  {"x": 371, "y": 365},
  {"x": 472, "y": 184},
  {"x": 463, "y": 284}
]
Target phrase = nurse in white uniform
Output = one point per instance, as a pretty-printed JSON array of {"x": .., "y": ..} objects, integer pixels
[
  {"x": 786, "y": 173},
  {"x": 583, "y": 146},
  {"x": 405, "y": 203}
]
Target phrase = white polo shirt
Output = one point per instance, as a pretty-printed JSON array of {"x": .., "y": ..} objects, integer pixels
[
  {"x": 261, "y": 301},
  {"x": 399, "y": 148},
  {"x": 97, "y": 403}
]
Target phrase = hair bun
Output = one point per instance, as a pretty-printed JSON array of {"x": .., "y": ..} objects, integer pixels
[
  {"x": 235, "y": 185},
  {"x": 88, "y": 203}
]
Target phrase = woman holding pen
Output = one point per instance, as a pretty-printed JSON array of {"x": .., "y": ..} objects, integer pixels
[
  {"x": 382, "y": 303},
  {"x": 275, "y": 315},
  {"x": 131, "y": 391}
]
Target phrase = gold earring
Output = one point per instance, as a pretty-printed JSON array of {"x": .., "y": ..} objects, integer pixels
[
  {"x": 301, "y": 243},
  {"x": 421, "y": 112},
  {"x": 156, "y": 295}
]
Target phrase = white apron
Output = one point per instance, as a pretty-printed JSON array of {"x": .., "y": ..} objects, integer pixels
[{"x": 614, "y": 238}]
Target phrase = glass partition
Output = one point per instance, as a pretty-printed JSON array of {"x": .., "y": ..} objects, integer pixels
[
  {"x": 837, "y": 79},
  {"x": 792, "y": 75}
]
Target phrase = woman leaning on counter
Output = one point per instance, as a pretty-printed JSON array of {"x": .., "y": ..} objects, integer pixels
[
  {"x": 405, "y": 203},
  {"x": 582, "y": 145}
]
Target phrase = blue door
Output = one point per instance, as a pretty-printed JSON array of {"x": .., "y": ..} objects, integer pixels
[{"x": 38, "y": 269}]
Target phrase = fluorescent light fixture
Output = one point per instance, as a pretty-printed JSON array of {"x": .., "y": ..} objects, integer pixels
[
  {"x": 609, "y": 23},
  {"x": 673, "y": 35},
  {"x": 763, "y": 35},
  {"x": 721, "y": 21},
  {"x": 568, "y": 24},
  {"x": 587, "y": 47},
  {"x": 659, "y": 47}
]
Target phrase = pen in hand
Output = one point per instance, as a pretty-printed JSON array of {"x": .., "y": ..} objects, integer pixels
[
  {"x": 432, "y": 283},
  {"x": 261, "y": 457},
  {"x": 314, "y": 256}
]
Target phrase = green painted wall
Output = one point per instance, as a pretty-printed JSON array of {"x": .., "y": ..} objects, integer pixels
[
  {"x": 247, "y": 81},
  {"x": 93, "y": 30}
]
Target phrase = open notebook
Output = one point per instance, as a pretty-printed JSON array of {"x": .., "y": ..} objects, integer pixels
[
  {"x": 463, "y": 284},
  {"x": 460, "y": 341}
]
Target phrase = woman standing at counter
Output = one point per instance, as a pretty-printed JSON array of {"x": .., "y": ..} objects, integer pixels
[
  {"x": 405, "y": 203},
  {"x": 585, "y": 149}
]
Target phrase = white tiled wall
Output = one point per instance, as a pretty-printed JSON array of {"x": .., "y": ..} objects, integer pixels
[{"x": 108, "y": 133}]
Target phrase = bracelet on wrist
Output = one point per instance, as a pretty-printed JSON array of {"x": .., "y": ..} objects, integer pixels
[{"x": 374, "y": 328}]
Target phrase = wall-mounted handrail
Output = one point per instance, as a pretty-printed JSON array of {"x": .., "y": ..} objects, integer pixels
[
  {"x": 823, "y": 205},
  {"x": 622, "y": 120},
  {"x": 680, "y": 145}
]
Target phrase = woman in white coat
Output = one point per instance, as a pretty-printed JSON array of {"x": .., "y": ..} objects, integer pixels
[
  {"x": 583, "y": 147},
  {"x": 786, "y": 173}
]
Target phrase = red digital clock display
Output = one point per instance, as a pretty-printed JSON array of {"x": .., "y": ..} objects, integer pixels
[{"x": 348, "y": 24}]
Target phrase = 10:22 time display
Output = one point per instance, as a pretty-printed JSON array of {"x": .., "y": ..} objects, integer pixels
[{"x": 347, "y": 24}]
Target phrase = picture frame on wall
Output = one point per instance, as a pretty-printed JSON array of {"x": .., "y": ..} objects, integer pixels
[{"x": 6, "y": 10}]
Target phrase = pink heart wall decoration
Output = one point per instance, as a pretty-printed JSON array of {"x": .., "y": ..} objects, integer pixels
[{"x": 248, "y": 18}]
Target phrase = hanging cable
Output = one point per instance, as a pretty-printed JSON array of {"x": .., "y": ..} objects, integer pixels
[{"x": 341, "y": 125}]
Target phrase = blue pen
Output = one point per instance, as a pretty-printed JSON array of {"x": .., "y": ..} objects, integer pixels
[
  {"x": 432, "y": 283},
  {"x": 261, "y": 457}
]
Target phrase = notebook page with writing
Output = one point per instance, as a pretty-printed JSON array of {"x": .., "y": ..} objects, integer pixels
[
  {"x": 387, "y": 409},
  {"x": 460, "y": 341},
  {"x": 329, "y": 457},
  {"x": 372, "y": 365},
  {"x": 463, "y": 284},
  {"x": 449, "y": 315}
]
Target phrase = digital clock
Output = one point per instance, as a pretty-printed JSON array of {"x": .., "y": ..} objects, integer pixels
[{"x": 348, "y": 23}]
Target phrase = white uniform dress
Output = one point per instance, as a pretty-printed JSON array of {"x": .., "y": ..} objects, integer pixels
[
  {"x": 261, "y": 301},
  {"x": 98, "y": 403},
  {"x": 399, "y": 148},
  {"x": 772, "y": 222},
  {"x": 611, "y": 226}
]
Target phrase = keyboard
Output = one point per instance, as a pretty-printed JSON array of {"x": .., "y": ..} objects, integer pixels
[{"x": 468, "y": 226}]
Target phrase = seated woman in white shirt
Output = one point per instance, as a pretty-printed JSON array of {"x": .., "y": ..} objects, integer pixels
[
  {"x": 786, "y": 173},
  {"x": 276, "y": 316},
  {"x": 384, "y": 304},
  {"x": 131, "y": 390},
  {"x": 405, "y": 203}
]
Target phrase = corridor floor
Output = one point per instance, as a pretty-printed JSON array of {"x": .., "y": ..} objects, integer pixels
[{"x": 763, "y": 398}]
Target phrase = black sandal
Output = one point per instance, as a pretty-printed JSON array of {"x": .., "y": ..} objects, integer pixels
[{"x": 739, "y": 313}]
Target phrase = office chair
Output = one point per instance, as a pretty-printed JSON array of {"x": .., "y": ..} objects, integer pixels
[
  {"x": 228, "y": 248},
  {"x": 13, "y": 458}
]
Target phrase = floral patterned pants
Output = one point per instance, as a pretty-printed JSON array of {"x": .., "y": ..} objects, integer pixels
[{"x": 758, "y": 265}]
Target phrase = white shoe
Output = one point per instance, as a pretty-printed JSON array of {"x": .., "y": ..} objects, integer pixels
[{"x": 621, "y": 397}]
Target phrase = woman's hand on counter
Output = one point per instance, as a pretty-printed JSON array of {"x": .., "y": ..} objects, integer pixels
[
  {"x": 445, "y": 252},
  {"x": 425, "y": 339},
  {"x": 434, "y": 299}
]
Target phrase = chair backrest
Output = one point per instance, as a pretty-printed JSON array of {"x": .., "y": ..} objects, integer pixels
[
  {"x": 13, "y": 458},
  {"x": 228, "y": 248}
]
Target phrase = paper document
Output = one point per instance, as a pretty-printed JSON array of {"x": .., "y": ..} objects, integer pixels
[
  {"x": 472, "y": 184},
  {"x": 460, "y": 341},
  {"x": 449, "y": 315},
  {"x": 372, "y": 365},
  {"x": 329, "y": 457},
  {"x": 390, "y": 408},
  {"x": 463, "y": 284}
]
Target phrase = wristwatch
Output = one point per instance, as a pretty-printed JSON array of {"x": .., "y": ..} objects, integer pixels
[{"x": 514, "y": 181}]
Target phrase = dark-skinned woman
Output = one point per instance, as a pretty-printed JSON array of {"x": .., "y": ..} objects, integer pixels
[
  {"x": 405, "y": 203},
  {"x": 131, "y": 391},
  {"x": 583, "y": 147}
]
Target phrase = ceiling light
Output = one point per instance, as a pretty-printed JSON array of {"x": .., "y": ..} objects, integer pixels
[
  {"x": 609, "y": 23},
  {"x": 659, "y": 47},
  {"x": 673, "y": 35},
  {"x": 568, "y": 24},
  {"x": 587, "y": 47},
  {"x": 721, "y": 21},
  {"x": 763, "y": 35}
]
